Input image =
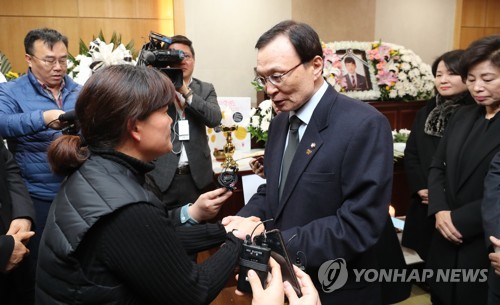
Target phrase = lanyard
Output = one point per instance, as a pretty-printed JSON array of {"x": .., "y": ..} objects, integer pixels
[{"x": 180, "y": 108}]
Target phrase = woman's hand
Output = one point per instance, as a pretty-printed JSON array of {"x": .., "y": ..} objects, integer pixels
[
  {"x": 445, "y": 226},
  {"x": 424, "y": 195},
  {"x": 274, "y": 292},
  {"x": 209, "y": 204},
  {"x": 309, "y": 296},
  {"x": 20, "y": 250},
  {"x": 19, "y": 225},
  {"x": 495, "y": 257}
]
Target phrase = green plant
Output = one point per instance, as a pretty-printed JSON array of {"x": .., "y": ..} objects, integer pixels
[
  {"x": 257, "y": 86},
  {"x": 6, "y": 68}
]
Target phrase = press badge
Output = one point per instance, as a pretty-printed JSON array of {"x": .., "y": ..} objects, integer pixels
[{"x": 183, "y": 130}]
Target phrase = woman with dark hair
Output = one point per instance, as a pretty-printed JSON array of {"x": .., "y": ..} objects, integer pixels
[
  {"x": 109, "y": 240},
  {"x": 456, "y": 182},
  {"x": 484, "y": 80},
  {"x": 426, "y": 132}
]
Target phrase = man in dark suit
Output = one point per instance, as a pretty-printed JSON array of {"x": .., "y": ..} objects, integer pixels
[
  {"x": 187, "y": 172},
  {"x": 355, "y": 81},
  {"x": 491, "y": 222},
  {"x": 16, "y": 219},
  {"x": 334, "y": 202}
]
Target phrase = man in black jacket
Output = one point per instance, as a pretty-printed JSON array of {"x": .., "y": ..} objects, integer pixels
[{"x": 16, "y": 219}]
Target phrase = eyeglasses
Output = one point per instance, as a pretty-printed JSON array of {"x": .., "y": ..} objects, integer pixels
[
  {"x": 51, "y": 62},
  {"x": 275, "y": 79}
]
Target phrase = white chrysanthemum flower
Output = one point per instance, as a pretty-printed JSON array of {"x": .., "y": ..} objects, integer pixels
[
  {"x": 405, "y": 66},
  {"x": 267, "y": 116},
  {"x": 404, "y": 131},
  {"x": 84, "y": 70},
  {"x": 402, "y": 76},
  {"x": 255, "y": 121},
  {"x": 264, "y": 125}
]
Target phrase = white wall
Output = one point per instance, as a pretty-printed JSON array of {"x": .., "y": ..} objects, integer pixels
[
  {"x": 424, "y": 26},
  {"x": 224, "y": 33}
]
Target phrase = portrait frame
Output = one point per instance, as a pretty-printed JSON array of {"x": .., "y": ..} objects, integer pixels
[
  {"x": 334, "y": 69},
  {"x": 361, "y": 72}
]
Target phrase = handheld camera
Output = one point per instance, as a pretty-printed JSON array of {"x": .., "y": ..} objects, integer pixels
[{"x": 156, "y": 53}]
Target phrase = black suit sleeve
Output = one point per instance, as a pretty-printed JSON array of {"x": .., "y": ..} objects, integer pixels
[
  {"x": 204, "y": 104},
  {"x": 6, "y": 248},
  {"x": 417, "y": 180},
  {"x": 22, "y": 206},
  {"x": 491, "y": 200}
]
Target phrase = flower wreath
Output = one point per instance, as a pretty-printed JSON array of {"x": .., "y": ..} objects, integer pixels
[
  {"x": 399, "y": 74},
  {"x": 99, "y": 54}
]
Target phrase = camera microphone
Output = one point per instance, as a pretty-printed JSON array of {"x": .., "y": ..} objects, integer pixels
[{"x": 67, "y": 116}]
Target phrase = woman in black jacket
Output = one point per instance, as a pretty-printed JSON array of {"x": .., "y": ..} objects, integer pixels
[
  {"x": 426, "y": 132},
  {"x": 456, "y": 181},
  {"x": 109, "y": 240}
]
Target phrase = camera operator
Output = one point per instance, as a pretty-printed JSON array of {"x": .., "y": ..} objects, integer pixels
[{"x": 186, "y": 173}]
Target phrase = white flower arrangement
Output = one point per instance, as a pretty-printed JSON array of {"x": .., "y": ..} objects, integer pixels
[
  {"x": 395, "y": 72},
  {"x": 399, "y": 138},
  {"x": 260, "y": 119},
  {"x": 99, "y": 54}
]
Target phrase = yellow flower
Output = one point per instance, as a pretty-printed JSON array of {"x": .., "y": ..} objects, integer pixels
[{"x": 12, "y": 75}]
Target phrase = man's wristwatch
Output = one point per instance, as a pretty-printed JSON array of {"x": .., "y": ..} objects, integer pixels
[{"x": 187, "y": 95}]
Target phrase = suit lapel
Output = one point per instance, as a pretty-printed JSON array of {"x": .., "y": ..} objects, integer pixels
[
  {"x": 309, "y": 145},
  {"x": 195, "y": 85},
  {"x": 278, "y": 131}
]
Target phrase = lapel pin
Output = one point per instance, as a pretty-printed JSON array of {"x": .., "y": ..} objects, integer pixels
[{"x": 309, "y": 151}]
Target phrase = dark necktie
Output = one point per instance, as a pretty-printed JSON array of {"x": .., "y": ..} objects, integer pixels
[
  {"x": 293, "y": 142},
  {"x": 353, "y": 81}
]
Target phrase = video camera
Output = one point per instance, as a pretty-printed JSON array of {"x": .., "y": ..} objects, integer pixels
[{"x": 156, "y": 53}]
